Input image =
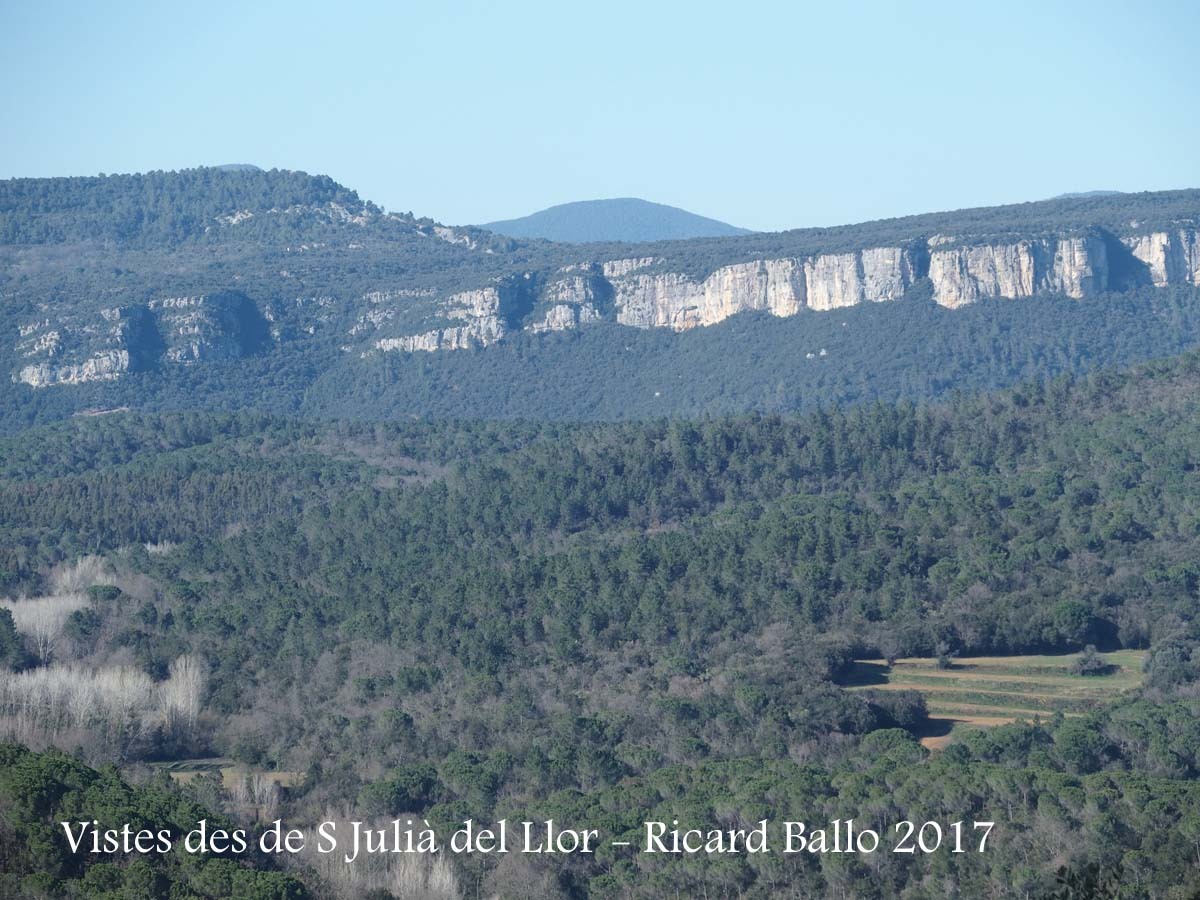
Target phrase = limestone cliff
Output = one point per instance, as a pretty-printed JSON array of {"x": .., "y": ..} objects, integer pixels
[
  {"x": 780, "y": 286},
  {"x": 103, "y": 366},
  {"x": 74, "y": 349},
  {"x": 73, "y": 345},
  {"x": 208, "y": 327},
  {"x": 474, "y": 318},
  {"x": 1170, "y": 257},
  {"x": 571, "y": 301},
  {"x": 1075, "y": 266},
  {"x": 78, "y": 348},
  {"x": 644, "y": 292},
  {"x": 672, "y": 300}
]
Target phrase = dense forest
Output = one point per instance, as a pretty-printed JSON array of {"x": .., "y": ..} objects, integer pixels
[
  {"x": 602, "y": 623},
  {"x": 40, "y": 790},
  {"x": 600, "y": 576}
]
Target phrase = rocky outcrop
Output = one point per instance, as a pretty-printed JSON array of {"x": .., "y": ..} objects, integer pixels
[
  {"x": 563, "y": 317},
  {"x": 965, "y": 274},
  {"x": 616, "y": 268},
  {"x": 1075, "y": 266},
  {"x": 80, "y": 348},
  {"x": 833, "y": 281},
  {"x": 484, "y": 315},
  {"x": 887, "y": 273},
  {"x": 108, "y": 343},
  {"x": 780, "y": 286},
  {"x": 208, "y": 327},
  {"x": 1170, "y": 257},
  {"x": 479, "y": 333},
  {"x": 673, "y": 300},
  {"x": 104, "y": 366},
  {"x": 571, "y": 302},
  {"x": 1080, "y": 267},
  {"x": 676, "y": 301}
]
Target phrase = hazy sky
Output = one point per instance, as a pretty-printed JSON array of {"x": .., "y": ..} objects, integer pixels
[{"x": 766, "y": 115}]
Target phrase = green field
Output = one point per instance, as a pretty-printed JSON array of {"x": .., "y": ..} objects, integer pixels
[{"x": 983, "y": 691}]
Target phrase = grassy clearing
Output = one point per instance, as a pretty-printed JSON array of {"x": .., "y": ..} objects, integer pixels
[
  {"x": 984, "y": 691},
  {"x": 231, "y": 772}
]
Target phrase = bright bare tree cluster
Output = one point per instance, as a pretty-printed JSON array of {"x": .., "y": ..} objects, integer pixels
[
  {"x": 256, "y": 791},
  {"x": 181, "y": 696},
  {"x": 52, "y": 702},
  {"x": 113, "y": 707},
  {"x": 78, "y": 576},
  {"x": 42, "y": 619}
]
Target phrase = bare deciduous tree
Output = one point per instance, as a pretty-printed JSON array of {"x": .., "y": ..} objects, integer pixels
[
  {"x": 259, "y": 791},
  {"x": 181, "y": 696},
  {"x": 77, "y": 577},
  {"x": 110, "y": 707},
  {"x": 41, "y": 620}
]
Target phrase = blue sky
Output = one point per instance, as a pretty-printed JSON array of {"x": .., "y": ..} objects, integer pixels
[{"x": 766, "y": 115}]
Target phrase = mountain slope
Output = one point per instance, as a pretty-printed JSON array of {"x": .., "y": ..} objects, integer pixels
[
  {"x": 624, "y": 219},
  {"x": 285, "y": 291},
  {"x": 477, "y": 603}
]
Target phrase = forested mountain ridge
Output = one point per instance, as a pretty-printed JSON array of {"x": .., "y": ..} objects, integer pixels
[
  {"x": 600, "y": 623},
  {"x": 184, "y": 277}
]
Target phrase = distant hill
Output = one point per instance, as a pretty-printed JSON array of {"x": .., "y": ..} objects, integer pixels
[
  {"x": 1083, "y": 195},
  {"x": 622, "y": 219}
]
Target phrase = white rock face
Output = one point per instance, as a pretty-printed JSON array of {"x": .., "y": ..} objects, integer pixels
[
  {"x": 454, "y": 236},
  {"x": 103, "y": 344},
  {"x": 574, "y": 304},
  {"x": 480, "y": 333},
  {"x": 430, "y": 341},
  {"x": 74, "y": 349},
  {"x": 656, "y": 301},
  {"x": 780, "y": 286},
  {"x": 833, "y": 281},
  {"x": 776, "y": 285},
  {"x": 66, "y": 348},
  {"x": 615, "y": 268},
  {"x": 483, "y": 324},
  {"x": 1172, "y": 257},
  {"x": 966, "y": 274},
  {"x": 196, "y": 329},
  {"x": 575, "y": 289},
  {"x": 480, "y": 304},
  {"x": 1190, "y": 242},
  {"x": 1075, "y": 266},
  {"x": 887, "y": 272},
  {"x": 1080, "y": 267},
  {"x": 672, "y": 300},
  {"x": 104, "y": 366},
  {"x": 564, "y": 316}
]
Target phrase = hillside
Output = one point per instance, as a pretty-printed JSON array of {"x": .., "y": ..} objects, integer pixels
[
  {"x": 284, "y": 291},
  {"x": 624, "y": 219},
  {"x": 602, "y": 624}
]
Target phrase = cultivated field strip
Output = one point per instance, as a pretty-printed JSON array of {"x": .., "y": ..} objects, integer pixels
[{"x": 995, "y": 690}]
